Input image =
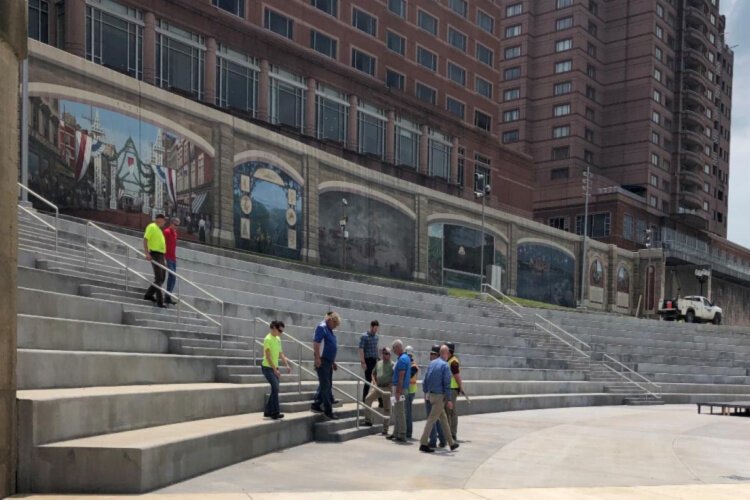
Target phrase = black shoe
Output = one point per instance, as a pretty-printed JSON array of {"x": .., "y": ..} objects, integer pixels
[
  {"x": 266, "y": 415},
  {"x": 400, "y": 440},
  {"x": 278, "y": 416},
  {"x": 426, "y": 449},
  {"x": 151, "y": 299},
  {"x": 454, "y": 446},
  {"x": 169, "y": 302},
  {"x": 432, "y": 445},
  {"x": 390, "y": 437},
  {"x": 336, "y": 401},
  {"x": 367, "y": 424},
  {"x": 441, "y": 445},
  {"x": 316, "y": 409},
  {"x": 332, "y": 416}
]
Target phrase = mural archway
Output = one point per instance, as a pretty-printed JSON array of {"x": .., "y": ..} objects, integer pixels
[{"x": 546, "y": 273}]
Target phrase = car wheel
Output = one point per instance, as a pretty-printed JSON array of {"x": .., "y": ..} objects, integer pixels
[
  {"x": 717, "y": 319},
  {"x": 690, "y": 317}
]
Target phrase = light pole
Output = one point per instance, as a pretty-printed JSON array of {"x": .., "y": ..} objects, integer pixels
[
  {"x": 586, "y": 190},
  {"x": 344, "y": 232},
  {"x": 649, "y": 286},
  {"x": 483, "y": 194}
]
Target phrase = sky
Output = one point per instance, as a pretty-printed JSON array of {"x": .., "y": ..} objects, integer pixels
[{"x": 738, "y": 19}]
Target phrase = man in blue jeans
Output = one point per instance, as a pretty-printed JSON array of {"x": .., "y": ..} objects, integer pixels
[
  {"x": 325, "y": 348},
  {"x": 437, "y": 430},
  {"x": 271, "y": 353}
]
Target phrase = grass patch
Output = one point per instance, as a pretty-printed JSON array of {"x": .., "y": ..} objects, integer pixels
[{"x": 460, "y": 293}]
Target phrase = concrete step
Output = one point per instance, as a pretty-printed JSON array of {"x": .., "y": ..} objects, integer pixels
[
  {"x": 345, "y": 429},
  {"x": 209, "y": 343},
  {"x": 169, "y": 326}
]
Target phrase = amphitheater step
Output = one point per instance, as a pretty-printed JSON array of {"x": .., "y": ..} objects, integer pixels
[{"x": 345, "y": 429}]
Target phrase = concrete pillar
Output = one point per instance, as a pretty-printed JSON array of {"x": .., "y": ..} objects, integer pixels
[
  {"x": 453, "y": 174},
  {"x": 209, "y": 73},
  {"x": 390, "y": 138},
  {"x": 264, "y": 89},
  {"x": 352, "y": 141},
  {"x": 149, "y": 48},
  {"x": 422, "y": 240},
  {"x": 511, "y": 262},
  {"x": 424, "y": 150},
  {"x": 75, "y": 27},
  {"x": 310, "y": 214},
  {"x": 13, "y": 37},
  {"x": 222, "y": 217},
  {"x": 310, "y": 108}
]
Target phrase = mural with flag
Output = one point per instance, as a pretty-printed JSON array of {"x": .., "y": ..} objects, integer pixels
[{"x": 106, "y": 165}]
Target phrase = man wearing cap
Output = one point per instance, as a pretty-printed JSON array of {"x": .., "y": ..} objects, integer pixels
[
  {"x": 456, "y": 389},
  {"x": 368, "y": 353},
  {"x": 413, "y": 374},
  {"x": 437, "y": 431},
  {"x": 437, "y": 390},
  {"x": 154, "y": 248},
  {"x": 382, "y": 378}
]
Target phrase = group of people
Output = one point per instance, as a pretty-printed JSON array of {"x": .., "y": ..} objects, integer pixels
[
  {"x": 391, "y": 375},
  {"x": 160, "y": 248}
]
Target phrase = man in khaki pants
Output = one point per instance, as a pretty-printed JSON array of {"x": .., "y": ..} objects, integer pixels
[
  {"x": 437, "y": 390},
  {"x": 382, "y": 375}
]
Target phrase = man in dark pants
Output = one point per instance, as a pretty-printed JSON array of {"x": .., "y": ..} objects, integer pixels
[
  {"x": 368, "y": 353},
  {"x": 325, "y": 348},
  {"x": 272, "y": 352},
  {"x": 154, "y": 247}
]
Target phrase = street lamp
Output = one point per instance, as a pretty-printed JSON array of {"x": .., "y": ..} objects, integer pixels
[
  {"x": 483, "y": 194},
  {"x": 586, "y": 191},
  {"x": 344, "y": 232}
]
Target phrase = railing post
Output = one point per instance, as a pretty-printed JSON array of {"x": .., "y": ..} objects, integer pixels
[
  {"x": 179, "y": 304},
  {"x": 356, "y": 397},
  {"x": 127, "y": 268},
  {"x": 221, "y": 327},
  {"x": 255, "y": 327},
  {"x": 299, "y": 365},
  {"x": 86, "y": 248},
  {"x": 57, "y": 230}
]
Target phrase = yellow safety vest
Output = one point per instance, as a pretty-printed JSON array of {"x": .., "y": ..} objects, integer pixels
[
  {"x": 454, "y": 383},
  {"x": 413, "y": 380}
]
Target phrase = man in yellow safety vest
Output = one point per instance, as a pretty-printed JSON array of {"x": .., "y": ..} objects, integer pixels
[{"x": 456, "y": 388}]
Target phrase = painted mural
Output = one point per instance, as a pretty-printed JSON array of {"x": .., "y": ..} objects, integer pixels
[
  {"x": 267, "y": 210},
  {"x": 623, "y": 280},
  {"x": 455, "y": 252},
  {"x": 380, "y": 237},
  {"x": 596, "y": 274},
  {"x": 546, "y": 274},
  {"x": 105, "y": 165}
]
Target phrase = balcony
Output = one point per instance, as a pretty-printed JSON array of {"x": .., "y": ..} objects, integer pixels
[
  {"x": 691, "y": 177},
  {"x": 692, "y": 158},
  {"x": 693, "y": 138},
  {"x": 697, "y": 219},
  {"x": 691, "y": 200},
  {"x": 696, "y": 18},
  {"x": 695, "y": 60},
  {"x": 696, "y": 99},
  {"x": 695, "y": 118},
  {"x": 695, "y": 80}
]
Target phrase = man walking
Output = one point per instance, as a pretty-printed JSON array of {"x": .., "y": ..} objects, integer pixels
[
  {"x": 325, "y": 348},
  {"x": 154, "y": 247},
  {"x": 170, "y": 237},
  {"x": 272, "y": 351},
  {"x": 382, "y": 377},
  {"x": 437, "y": 390},
  {"x": 437, "y": 430},
  {"x": 456, "y": 389},
  {"x": 413, "y": 374},
  {"x": 368, "y": 353},
  {"x": 398, "y": 391}
]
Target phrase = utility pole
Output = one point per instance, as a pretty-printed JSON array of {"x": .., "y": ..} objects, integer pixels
[
  {"x": 586, "y": 191},
  {"x": 344, "y": 232},
  {"x": 483, "y": 194}
]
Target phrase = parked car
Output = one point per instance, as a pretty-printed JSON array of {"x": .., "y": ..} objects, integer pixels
[{"x": 693, "y": 309}]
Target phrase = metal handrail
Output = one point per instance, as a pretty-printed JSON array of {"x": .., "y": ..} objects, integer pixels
[
  {"x": 46, "y": 202},
  {"x": 562, "y": 340},
  {"x": 656, "y": 396},
  {"x": 519, "y": 315},
  {"x": 504, "y": 296},
  {"x": 177, "y": 276},
  {"x": 31, "y": 213}
]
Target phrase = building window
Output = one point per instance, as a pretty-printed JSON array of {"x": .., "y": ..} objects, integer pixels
[
  {"x": 659, "y": 32},
  {"x": 654, "y": 159},
  {"x": 511, "y": 115},
  {"x": 557, "y": 174},
  {"x": 588, "y": 134},
  {"x": 561, "y": 110},
  {"x": 657, "y": 74},
  {"x": 599, "y": 225},
  {"x": 654, "y": 180},
  {"x": 559, "y": 222},
  {"x": 481, "y": 173},
  {"x": 395, "y": 80},
  {"x": 591, "y": 71},
  {"x": 328, "y": 6},
  {"x": 237, "y": 77},
  {"x": 655, "y": 138},
  {"x": 590, "y": 92},
  {"x": 364, "y": 22},
  {"x": 485, "y": 21},
  {"x": 657, "y": 96},
  {"x": 627, "y": 227},
  {"x": 513, "y": 31},
  {"x": 288, "y": 92},
  {"x": 514, "y": 10},
  {"x": 38, "y": 20},
  {"x": 656, "y": 117},
  {"x": 333, "y": 112},
  {"x": 590, "y": 114},
  {"x": 363, "y": 62},
  {"x": 483, "y": 87},
  {"x": 323, "y": 44},
  {"x": 561, "y": 153},
  {"x": 591, "y": 50},
  {"x": 371, "y": 130},
  {"x": 427, "y": 58},
  {"x": 439, "y": 160},
  {"x": 279, "y": 24},
  {"x": 459, "y": 7},
  {"x": 512, "y": 94},
  {"x": 562, "y": 88},
  {"x": 510, "y": 136},
  {"x": 563, "y": 66},
  {"x": 455, "y": 107},
  {"x": 593, "y": 29},
  {"x": 658, "y": 53},
  {"x": 561, "y": 4},
  {"x": 114, "y": 37},
  {"x": 398, "y": 7},
  {"x": 407, "y": 143},
  {"x": 426, "y": 93},
  {"x": 561, "y": 131},
  {"x": 236, "y": 7},
  {"x": 396, "y": 42},
  {"x": 513, "y": 52},
  {"x": 482, "y": 120},
  {"x": 588, "y": 157},
  {"x": 457, "y": 74},
  {"x": 484, "y": 54},
  {"x": 512, "y": 73},
  {"x": 179, "y": 59},
  {"x": 564, "y": 23},
  {"x": 427, "y": 22},
  {"x": 457, "y": 39},
  {"x": 564, "y": 45}
]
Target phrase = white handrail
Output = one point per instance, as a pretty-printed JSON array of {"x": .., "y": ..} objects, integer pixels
[
  {"x": 49, "y": 204},
  {"x": 503, "y": 304},
  {"x": 29, "y": 212},
  {"x": 507, "y": 297}
]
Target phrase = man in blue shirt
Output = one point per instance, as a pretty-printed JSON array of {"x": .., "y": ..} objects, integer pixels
[
  {"x": 401, "y": 376},
  {"x": 437, "y": 391},
  {"x": 325, "y": 347}
]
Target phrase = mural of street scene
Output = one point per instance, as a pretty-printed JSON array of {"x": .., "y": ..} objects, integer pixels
[
  {"x": 381, "y": 237},
  {"x": 267, "y": 210},
  {"x": 104, "y": 165},
  {"x": 546, "y": 274}
]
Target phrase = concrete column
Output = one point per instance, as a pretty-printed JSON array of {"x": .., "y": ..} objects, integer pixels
[
  {"x": 390, "y": 138},
  {"x": 310, "y": 214},
  {"x": 511, "y": 262},
  {"x": 453, "y": 174},
  {"x": 222, "y": 217},
  {"x": 310, "y": 108},
  {"x": 209, "y": 73},
  {"x": 75, "y": 27},
  {"x": 149, "y": 48},
  {"x": 352, "y": 140},
  {"x": 264, "y": 89},
  {"x": 421, "y": 239},
  {"x": 424, "y": 151},
  {"x": 13, "y": 37}
]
